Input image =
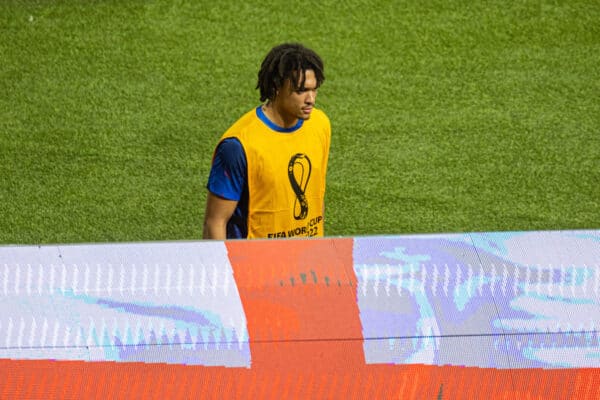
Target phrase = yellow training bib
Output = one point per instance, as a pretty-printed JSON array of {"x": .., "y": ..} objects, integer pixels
[{"x": 286, "y": 174}]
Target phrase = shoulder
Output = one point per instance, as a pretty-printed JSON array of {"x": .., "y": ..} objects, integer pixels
[
  {"x": 321, "y": 119},
  {"x": 245, "y": 122},
  {"x": 230, "y": 150},
  {"x": 320, "y": 116},
  {"x": 320, "y": 122}
]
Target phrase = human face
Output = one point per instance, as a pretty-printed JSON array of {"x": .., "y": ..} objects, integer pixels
[{"x": 292, "y": 104}]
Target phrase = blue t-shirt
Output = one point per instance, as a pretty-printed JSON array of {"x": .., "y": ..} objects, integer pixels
[{"x": 227, "y": 180}]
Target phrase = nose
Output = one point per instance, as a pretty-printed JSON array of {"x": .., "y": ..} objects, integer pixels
[{"x": 311, "y": 96}]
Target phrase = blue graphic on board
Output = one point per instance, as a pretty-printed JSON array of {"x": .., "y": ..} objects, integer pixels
[
  {"x": 172, "y": 303},
  {"x": 503, "y": 300}
]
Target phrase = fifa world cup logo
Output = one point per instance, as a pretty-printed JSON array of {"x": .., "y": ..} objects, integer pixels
[{"x": 299, "y": 169}]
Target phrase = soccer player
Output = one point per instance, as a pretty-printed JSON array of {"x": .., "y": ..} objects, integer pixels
[{"x": 268, "y": 171}]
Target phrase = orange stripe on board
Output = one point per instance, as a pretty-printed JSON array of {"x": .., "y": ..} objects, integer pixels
[
  {"x": 101, "y": 380},
  {"x": 299, "y": 298}
]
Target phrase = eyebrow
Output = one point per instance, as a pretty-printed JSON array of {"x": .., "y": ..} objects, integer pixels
[
  {"x": 303, "y": 86},
  {"x": 302, "y": 78}
]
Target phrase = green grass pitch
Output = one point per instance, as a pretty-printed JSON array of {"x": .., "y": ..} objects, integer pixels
[{"x": 447, "y": 116}]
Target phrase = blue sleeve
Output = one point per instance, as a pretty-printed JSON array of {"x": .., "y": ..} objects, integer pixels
[{"x": 228, "y": 172}]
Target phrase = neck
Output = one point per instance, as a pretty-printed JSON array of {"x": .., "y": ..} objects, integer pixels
[{"x": 277, "y": 117}]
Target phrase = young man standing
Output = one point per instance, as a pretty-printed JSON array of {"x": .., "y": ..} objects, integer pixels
[{"x": 268, "y": 173}]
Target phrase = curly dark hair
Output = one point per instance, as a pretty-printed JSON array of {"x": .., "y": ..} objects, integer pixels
[{"x": 288, "y": 61}]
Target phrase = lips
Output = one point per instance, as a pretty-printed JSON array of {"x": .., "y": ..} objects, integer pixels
[{"x": 307, "y": 110}]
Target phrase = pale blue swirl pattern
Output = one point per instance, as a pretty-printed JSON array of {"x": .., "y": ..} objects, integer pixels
[
  {"x": 503, "y": 300},
  {"x": 161, "y": 302}
]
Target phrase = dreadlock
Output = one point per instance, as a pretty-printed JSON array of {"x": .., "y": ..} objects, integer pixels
[{"x": 288, "y": 61}]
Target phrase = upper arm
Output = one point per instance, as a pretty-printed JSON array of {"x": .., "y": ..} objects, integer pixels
[
  {"x": 217, "y": 214},
  {"x": 218, "y": 209},
  {"x": 225, "y": 186}
]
